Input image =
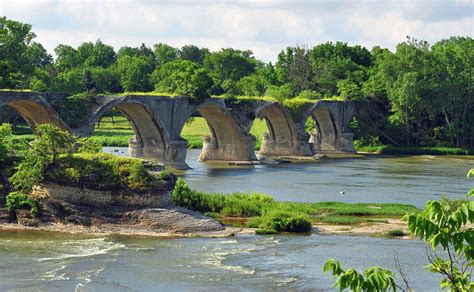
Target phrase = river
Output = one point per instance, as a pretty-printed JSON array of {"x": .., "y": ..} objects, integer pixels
[{"x": 58, "y": 262}]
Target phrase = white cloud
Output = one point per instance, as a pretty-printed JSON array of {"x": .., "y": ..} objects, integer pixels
[{"x": 265, "y": 27}]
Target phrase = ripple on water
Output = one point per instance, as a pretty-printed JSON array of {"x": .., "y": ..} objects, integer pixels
[{"x": 84, "y": 248}]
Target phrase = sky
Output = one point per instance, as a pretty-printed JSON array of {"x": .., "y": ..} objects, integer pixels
[{"x": 265, "y": 27}]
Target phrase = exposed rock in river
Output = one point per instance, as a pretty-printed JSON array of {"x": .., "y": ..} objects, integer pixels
[{"x": 81, "y": 210}]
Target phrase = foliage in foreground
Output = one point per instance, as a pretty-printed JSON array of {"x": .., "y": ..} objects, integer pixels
[
  {"x": 443, "y": 225},
  {"x": 372, "y": 279},
  {"x": 266, "y": 213}
]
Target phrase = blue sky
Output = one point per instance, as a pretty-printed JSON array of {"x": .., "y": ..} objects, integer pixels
[{"x": 265, "y": 26}]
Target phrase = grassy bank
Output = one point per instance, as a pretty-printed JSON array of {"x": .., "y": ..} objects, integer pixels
[
  {"x": 394, "y": 150},
  {"x": 262, "y": 211}
]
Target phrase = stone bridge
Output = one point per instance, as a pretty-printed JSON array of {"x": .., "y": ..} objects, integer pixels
[{"x": 159, "y": 120}]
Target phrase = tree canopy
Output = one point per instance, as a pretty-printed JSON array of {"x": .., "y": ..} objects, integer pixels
[{"x": 418, "y": 95}]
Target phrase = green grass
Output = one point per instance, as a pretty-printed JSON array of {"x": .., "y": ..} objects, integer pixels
[
  {"x": 394, "y": 150},
  {"x": 264, "y": 212},
  {"x": 117, "y": 134}
]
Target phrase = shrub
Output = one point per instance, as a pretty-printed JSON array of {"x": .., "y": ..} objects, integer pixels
[
  {"x": 286, "y": 222},
  {"x": 17, "y": 200},
  {"x": 236, "y": 204},
  {"x": 165, "y": 174},
  {"x": 88, "y": 145},
  {"x": 396, "y": 233},
  {"x": 266, "y": 231},
  {"x": 74, "y": 109}
]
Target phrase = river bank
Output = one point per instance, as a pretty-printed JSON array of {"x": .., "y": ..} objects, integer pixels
[{"x": 114, "y": 229}]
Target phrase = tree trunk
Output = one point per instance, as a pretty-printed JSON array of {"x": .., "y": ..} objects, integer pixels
[{"x": 378, "y": 130}]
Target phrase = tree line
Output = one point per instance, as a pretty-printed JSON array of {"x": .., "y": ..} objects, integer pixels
[{"x": 418, "y": 95}]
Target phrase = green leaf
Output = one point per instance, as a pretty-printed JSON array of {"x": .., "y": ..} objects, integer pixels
[
  {"x": 470, "y": 173},
  {"x": 471, "y": 193}
]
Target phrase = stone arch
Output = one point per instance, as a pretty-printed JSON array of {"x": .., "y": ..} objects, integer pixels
[
  {"x": 150, "y": 140},
  {"x": 326, "y": 133},
  {"x": 226, "y": 141},
  {"x": 36, "y": 112},
  {"x": 282, "y": 137}
]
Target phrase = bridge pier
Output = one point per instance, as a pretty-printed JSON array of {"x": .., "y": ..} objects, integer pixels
[
  {"x": 272, "y": 147},
  {"x": 243, "y": 150},
  {"x": 174, "y": 154}
]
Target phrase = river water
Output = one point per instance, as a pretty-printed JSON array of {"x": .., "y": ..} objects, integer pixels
[{"x": 58, "y": 262}]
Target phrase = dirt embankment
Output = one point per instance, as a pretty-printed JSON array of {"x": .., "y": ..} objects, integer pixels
[{"x": 97, "y": 212}]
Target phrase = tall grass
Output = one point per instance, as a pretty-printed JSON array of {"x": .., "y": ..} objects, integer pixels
[{"x": 264, "y": 212}]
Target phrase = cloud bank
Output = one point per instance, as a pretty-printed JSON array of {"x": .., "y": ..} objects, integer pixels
[{"x": 265, "y": 27}]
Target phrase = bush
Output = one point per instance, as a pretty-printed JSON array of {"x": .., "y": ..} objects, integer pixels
[
  {"x": 165, "y": 174},
  {"x": 286, "y": 222},
  {"x": 265, "y": 231},
  {"x": 88, "y": 145},
  {"x": 396, "y": 233},
  {"x": 236, "y": 204},
  {"x": 17, "y": 200}
]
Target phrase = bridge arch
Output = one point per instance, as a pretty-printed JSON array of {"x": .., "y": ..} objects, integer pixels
[
  {"x": 282, "y": 136},
  {"x": 36, "y": 111},
  {"x": 325, "y": 135},
  {"x": 226, "y": 140},
  {"x": 150, "y": 140}
]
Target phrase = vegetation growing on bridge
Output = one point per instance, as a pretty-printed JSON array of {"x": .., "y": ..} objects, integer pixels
[
  {"x": 419, "y": 95},
  {"x": 261, "y": 211}
]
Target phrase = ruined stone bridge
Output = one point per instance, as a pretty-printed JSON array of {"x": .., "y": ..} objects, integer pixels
[{"x": 159, "y": 120}]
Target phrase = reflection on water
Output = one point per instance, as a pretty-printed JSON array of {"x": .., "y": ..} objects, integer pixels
[{"x": 411, "y": 179}]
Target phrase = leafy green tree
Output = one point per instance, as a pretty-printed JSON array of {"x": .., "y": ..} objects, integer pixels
[
  {"x": 50, "y": 142},
  {"x": 134, "y": 73},
  {"x": 70, "y": 81},
  {"x": 67, "y": 58},
  {"x": 96, "y": 54},
  {"x": 37, "y": 56},
  {"x": 193, "y": 54},
  {"x": 142, "y": 51},
  {"x": 293, "y": 67},
  {"x": 165, "y": 53},
  {"x": 454, "y": 87},
  {"x": 334, "y": 62},
  {"x": 228, "y": 66},
  {"x": 107, "y": 80},
  {"x": 18, "y": 54},
  {"x": 183, "y": 77}
]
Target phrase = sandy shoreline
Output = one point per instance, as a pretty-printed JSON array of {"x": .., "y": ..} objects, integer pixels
[{"x": 108, "y": 229}]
